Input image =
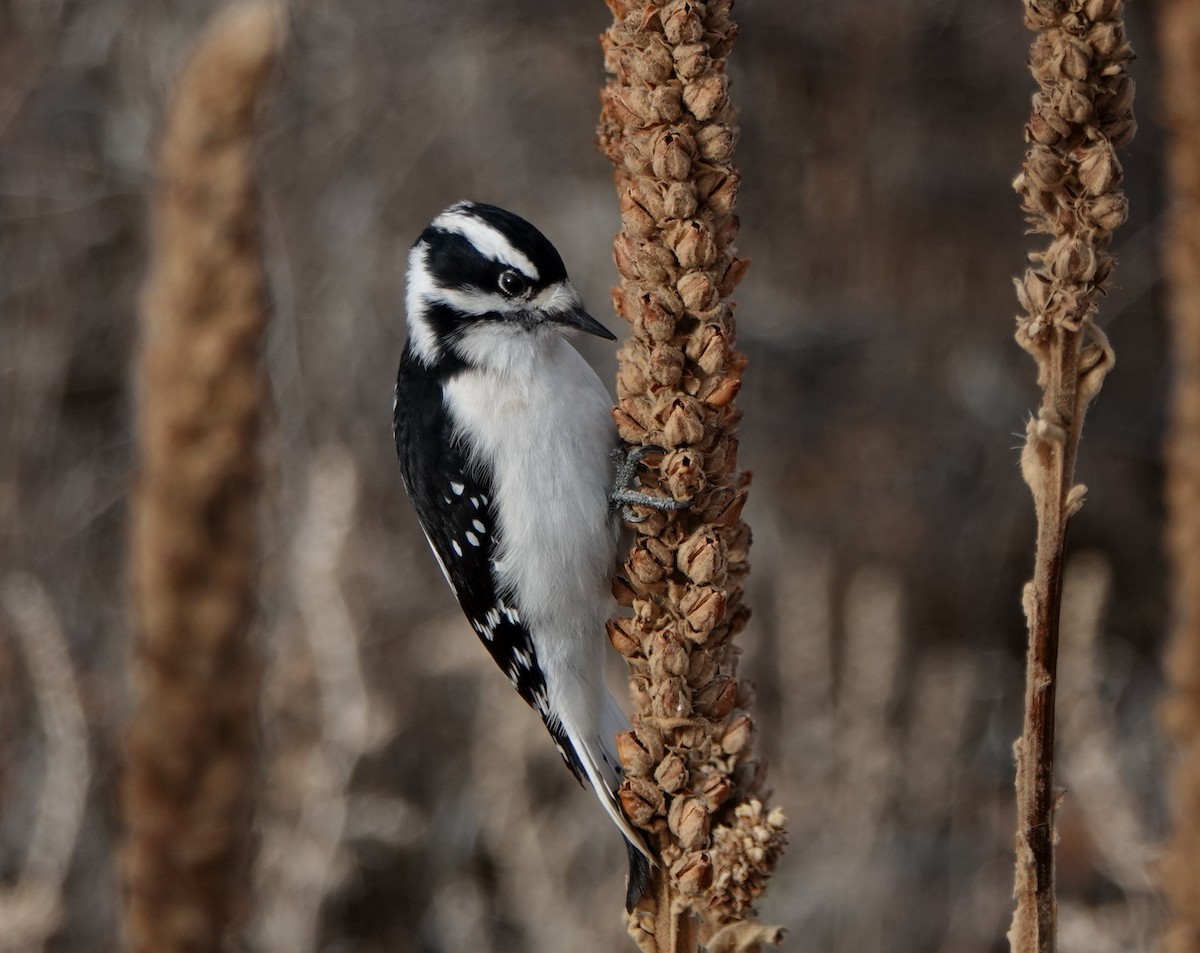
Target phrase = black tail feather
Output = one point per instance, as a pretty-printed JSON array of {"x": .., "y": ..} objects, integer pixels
[{"x": 639, "y": 877}]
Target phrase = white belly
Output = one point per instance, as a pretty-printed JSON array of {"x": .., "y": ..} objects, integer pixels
[{"x": 544, "y": 430}]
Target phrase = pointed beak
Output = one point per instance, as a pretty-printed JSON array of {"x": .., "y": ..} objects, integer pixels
[{"x": 579, "y": 320}]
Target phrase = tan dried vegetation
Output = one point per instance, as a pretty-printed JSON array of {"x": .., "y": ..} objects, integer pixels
[
  {"x": 695, "y": 783},
  {"x": 1179, "y": 39},
  {"x": 692, "y": 780},
  {"x": 1069, "y": 188},
  {"x": 189, "y": 782}
]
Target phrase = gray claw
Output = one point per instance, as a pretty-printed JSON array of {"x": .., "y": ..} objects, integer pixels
[{"x": 623, "y": 497}]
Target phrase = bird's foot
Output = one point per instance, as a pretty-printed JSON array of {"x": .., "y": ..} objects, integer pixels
[{"x": 624, "y": 498}]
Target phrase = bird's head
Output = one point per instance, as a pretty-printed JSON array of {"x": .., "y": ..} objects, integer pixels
[{"x": 480, "y": 277}]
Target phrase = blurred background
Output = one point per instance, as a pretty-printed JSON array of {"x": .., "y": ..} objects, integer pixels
[{"x": 410, "y": 802}]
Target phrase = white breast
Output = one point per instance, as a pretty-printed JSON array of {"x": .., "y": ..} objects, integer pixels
[{"x": 538, "y": 417}]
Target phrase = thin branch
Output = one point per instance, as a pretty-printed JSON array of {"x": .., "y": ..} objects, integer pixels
[{"x": 1069, "y": 189}]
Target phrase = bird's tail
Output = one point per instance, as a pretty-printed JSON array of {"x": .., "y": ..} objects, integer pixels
[{"x": 596, "y": 759}]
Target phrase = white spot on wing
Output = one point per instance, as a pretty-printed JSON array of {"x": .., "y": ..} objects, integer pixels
[
  {"x": 472, "y": 538},
  {"x": 457, "y": 488},
  {"x": 479, "y": 526}
]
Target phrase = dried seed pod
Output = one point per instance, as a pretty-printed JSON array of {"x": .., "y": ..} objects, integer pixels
[
  {"x": 692, "y": 242},
  {"x": 1099, "y": 170},
  {"x": 1106, "y": 212},
  {"x": 732, "y": 275},
  {"x": 682, "y": 22},
  {"x": 653, "y": 264},
  {"x": 693, "y": 873},
  {"x": 673, "y": 153},
  {"x": 653, "y": 316},
  {"x": 1039, "y": 129},
  {"x": 1033, "y": 291},
  {"x": 629, "y": 429},
  {"x": 679, "y": 200},
  {"x": 738, "y": 548},
  {"x": 1072, "y": 260},
  {"x": 1045, "y": 169},
  {"x": 652, "y": 65},
  {"x": 720, "y": 391},
  {"x": 671, "y": 773},
  {"x": 716, "y": 790},
  {"x": 666, "y": 655},
  {"x": 631, "y": 106},
  {"x": 703, "y": 607},
  {"x": 637, "y": 760},
  {"x": 639, "y": 223},
  {"x": 682, "y": 474},
  {"x": 632, "y": 378},
  {"x": 717, "y": 699},
  {"x": 699, "y": 292},
  {"x": 623, "y": 636},
  {"x": 701, "y": 669},
  {"x": 715, "y": 142},
  {"x": 665, "y": 364},
  {"x": 643, "y": 566},
  {"x": 641, "y": 800},
  {"x": 672, "y": 699},
  {"x": 649, "y": 193},
  {"x": 699, "y": 557},
  {"x": 688, "y": 821},
  {"x": 667, "y": 102},
  {"x": 682, "y": 421},
  {"x": 707, "y": 95},
  {"x": 623, "y": 592},
  {"x": 691, "y": 60},
  {"x": 737, "y": 735}
]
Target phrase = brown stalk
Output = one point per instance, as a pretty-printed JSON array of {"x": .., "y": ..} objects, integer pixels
[
  {"x": 691, "y": 778},
  {"x": 1179, "y": 39},
  {"x": 190, "y": 748},
  {"x": 1069, "y": 189}
]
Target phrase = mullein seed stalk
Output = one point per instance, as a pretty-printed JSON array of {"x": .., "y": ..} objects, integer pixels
[
  {"x": 188, "y": 789},
  {"x": 692, "y": 780},
  {"x": 1069, "y": 188},
  {"x": 1179, "y": 40}
]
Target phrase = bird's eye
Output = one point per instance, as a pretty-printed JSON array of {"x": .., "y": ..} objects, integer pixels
[{"x": 512, "y": 283}]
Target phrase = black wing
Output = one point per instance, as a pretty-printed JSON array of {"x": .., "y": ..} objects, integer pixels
[{"x": 454, "y": 503}]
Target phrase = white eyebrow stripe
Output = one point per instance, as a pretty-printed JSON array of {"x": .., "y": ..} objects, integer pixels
[{"x": 487, "y": 239}]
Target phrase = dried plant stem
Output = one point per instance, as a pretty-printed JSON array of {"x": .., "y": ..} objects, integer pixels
[
  {"x": 1179, "y": 38},
  {"x": 691, "y": 779},
  {"x": 1068, "y": 184},
  {"x": 290, "y": 895},
  {"x": 32, "y": 909},
  {"x": 190, "y": 749}
]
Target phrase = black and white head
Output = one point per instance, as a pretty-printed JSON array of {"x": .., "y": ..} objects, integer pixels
[{"x": 480, "y": 279}]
